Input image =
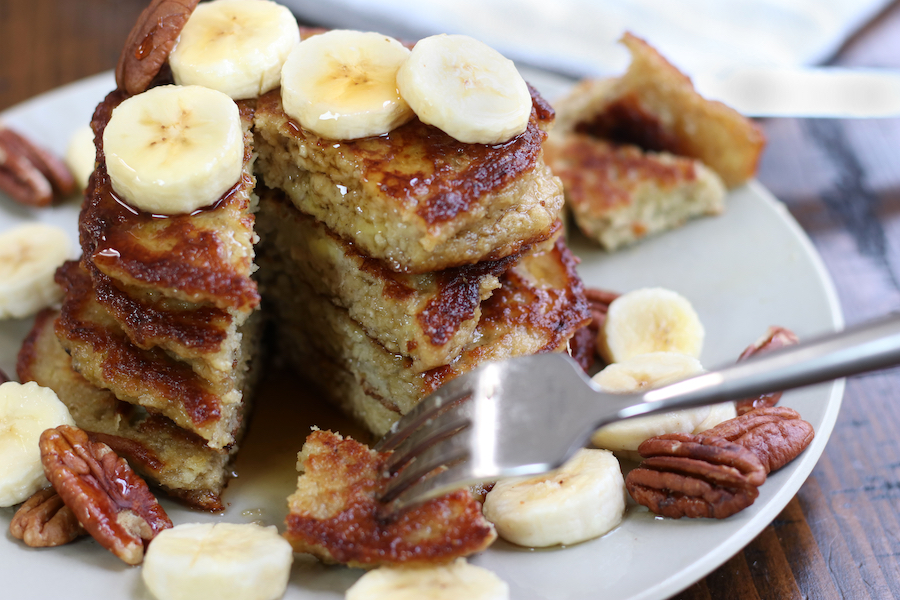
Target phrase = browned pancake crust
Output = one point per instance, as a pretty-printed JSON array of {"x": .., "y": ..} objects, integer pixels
[
  {"x": 335, "y": 515},
  {"x": 419, "y": 165},
  {"x": 415, "y": 197},
  {"x": 176, "y": 460},
  {"x": 105, "y": 355},
  {"x": 540, "y": 298},
  {"x": 193, "y": 257}
]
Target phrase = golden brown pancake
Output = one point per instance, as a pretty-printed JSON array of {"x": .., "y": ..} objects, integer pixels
[
  {"x": 166, "y": 455},
  {"x": 415, "y": 198},
  {"x": 335, "y": 514}
]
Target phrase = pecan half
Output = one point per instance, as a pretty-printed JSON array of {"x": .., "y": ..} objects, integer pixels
[
  {"x": 151, "y": 40},
  {"x": 44, "y": 521},
  {"x": 775, "y": 338},
  {"x": 776, "y": 435},
  {"x": 29, "y": 174},
  {"x": 683, "y": 476},
  {"x": 112, "y": 503}
]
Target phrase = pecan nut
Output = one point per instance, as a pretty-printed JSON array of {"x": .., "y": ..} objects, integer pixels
[
  {"x": 775, "y": 338},
  {"x": 29, "y": 174},
  {"x": 683, "y": 476},
  {"x": 776, "y": 435},
  {"x": 112, "y": 503},
  {"x": 44, "y": 521},
  {"x": 151, "y": 40}
]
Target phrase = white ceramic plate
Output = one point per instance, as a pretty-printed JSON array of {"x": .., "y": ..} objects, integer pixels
[{"x": 745, "y": 270}]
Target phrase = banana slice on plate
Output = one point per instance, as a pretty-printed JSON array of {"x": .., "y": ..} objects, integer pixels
[
  {"x": 650, "y": 320},
  {"x": 29, "y": 256},
  {"x": 80, "y": 155},
  {"x": 717, "y": 414},
  {"x": 642, "y": 372},
  {"x": 235, "y": 46},
  {"x": 26, "y": 410},
  {"x": 453, "y": 581},
  {"x": 342, "y": 84},
  {"x": 218, "y": 561},
  {"x": 465, "y": 88},
  {"x": 174, "y": 149},
  {"x": 583, "y": 499}
]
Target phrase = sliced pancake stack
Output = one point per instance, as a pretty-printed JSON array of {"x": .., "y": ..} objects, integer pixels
[
  {"x": 394, "y": 263},
  {"x": 388, "y": 265},
  {"x": 161, "y": 315}
]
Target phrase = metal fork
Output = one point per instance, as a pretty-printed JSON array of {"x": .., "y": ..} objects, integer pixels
[{"x": 529, "y": 415}]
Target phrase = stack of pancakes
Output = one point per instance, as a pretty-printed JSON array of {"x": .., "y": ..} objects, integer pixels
[
  {"x": 388, "y": 264},
  {"x": 395, "y": 263}
]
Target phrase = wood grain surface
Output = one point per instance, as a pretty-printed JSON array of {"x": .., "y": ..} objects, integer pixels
[{"x": 840, "y": 536}]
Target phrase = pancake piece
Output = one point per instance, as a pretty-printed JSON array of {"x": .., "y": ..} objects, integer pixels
[
  {"x": 538, "y": 307},
  {"x": 427, "y": 317},
  {"x": 335, "y": 514},
  {"x": 655, "y": 107},
  {"x": 205, "y": 257},
  {"x": 179, "y": 462},
  {"x": 415, "y": 198},
  {"x": 105, "y": 356},
  {"x": 619, "y": 194}
]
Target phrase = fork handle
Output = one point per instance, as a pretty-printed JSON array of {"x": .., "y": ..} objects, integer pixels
[{"x": 874, "y": 345}]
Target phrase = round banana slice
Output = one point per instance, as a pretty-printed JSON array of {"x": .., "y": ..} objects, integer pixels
[
  {"x": 218, "y": 561},
  {"x": 235, "y": 46},
  {"x": 465, "y": 88},
  {"x": 650, "y": 320},
  {"x": 174, "y": 149},
  {"x": 29, "y": 257},
  {"x": 453, "y": 581},
  {"x": 26, "y": 410},
  {"x": 639, "y": 373},
  {"x": 80, "y": 155},
  {"x": 583, "y": 499},
  {"x": 342, "y": 84}
]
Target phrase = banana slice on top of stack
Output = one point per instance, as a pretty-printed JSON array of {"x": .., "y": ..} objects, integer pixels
[
  {"x": 347, "y": 84},
  {"x": 174, "y": 149}
]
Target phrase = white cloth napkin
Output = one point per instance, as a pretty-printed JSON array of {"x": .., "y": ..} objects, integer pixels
[{"x": 578, "y": 37}]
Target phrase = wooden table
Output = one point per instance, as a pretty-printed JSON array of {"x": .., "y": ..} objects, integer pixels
[{"x": 840, "y": 536}]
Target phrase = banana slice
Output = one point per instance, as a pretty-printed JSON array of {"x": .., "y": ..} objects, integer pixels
[
  {"x": 174, "y": 149},
  {"x": 221, "y": 561},
  {"x": 638, "y": 373},
  {"x": 582, "y": 500},
  {"x": 650, "y": 320},
  {"x": 465, "y": 88},
  {"x": 717, "y": 414},
  {"x": 26, "y": 410},
  {"x": 80, "y": 155},
  {"x": 342, "y": 84},
  {"x": 235, "y": 46},
  {"x": 453, "y": 581},
  {"x": 29, "y": 256}
]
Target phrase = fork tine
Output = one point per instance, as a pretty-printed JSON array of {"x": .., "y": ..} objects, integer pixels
[
  {"x": 438, "y": 428},
  {"x": 447, "y": 394},
  {"x": 445, "y": 452},
  {"x": 446, "y": 481}
]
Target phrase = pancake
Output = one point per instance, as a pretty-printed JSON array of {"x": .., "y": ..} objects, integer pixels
[
  {"x": 335, "y": 515},
  {"x": 180, "y": 463},
  {"x": 655, "y": 107},
  {"x": 415, "y": 198},
  {"x": 427, "y": 317},
  {"x": 538, "y": 307},
  {"x": 620, "y": 194},
  {"x": 101, "y": 351}
]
